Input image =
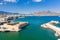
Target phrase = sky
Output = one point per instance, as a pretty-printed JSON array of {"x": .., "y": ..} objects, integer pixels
[{"x": 29, "y": 6}]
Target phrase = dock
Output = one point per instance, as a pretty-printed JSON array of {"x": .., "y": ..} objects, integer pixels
[
  {"x": 9, "y": 17},
  {"x": 51, "y": 25},
  {"x": 7, "y": 24},
  {"x": 13, "y": 26}
]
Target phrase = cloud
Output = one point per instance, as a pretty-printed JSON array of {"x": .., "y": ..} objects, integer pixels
[
  {"x": 10, "y": 0},
  {"x": 5, "y": 1},
  {"x": 1, "y": 3},
  {"x": 37, "y": 0}
]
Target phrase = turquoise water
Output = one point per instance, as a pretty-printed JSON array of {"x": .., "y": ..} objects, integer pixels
[{"x": 33, "y": 31}]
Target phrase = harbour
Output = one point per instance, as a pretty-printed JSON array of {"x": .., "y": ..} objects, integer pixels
[
  {"x": 29, "y": 19},
  {"x": 33, "y": 31}
]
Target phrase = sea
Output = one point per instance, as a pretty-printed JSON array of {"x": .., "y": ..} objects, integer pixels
[{"x": 33, "y": 31}]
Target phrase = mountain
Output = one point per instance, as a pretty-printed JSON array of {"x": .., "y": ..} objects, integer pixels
[
  {"x": 46, "y": 13},
  {"x": 3, "y": 12}
]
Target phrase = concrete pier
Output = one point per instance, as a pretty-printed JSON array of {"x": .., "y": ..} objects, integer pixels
[
  {"x": 13, "y": 26},
  {"x": 50, "y": 25},
  {"x": 6, "y": 23}
]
